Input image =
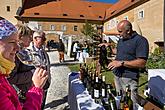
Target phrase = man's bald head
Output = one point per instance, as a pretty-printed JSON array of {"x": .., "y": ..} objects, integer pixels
[
  {"x": 124, "y": 28},
  {"x": 125, "y": 24}
]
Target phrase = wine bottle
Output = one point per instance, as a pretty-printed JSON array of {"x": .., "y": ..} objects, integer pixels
[
  {"x": 87, "y": 78},
  {"x": 128, "y": 98},
  {"x": 92, "y": 84},
  {"x": 89, "y": 82},
  {"x": 96, "y": 89},
  {"x": 113, "y": 89},
  {"x": 85, "y": 75},
  {"x": 111, "y": 99},
  {"x": 103, "y": 88},
  {"x": 81, "y": 72},
  {"x": 121, "y": 107},
  {"x": 106, "y": 104}
]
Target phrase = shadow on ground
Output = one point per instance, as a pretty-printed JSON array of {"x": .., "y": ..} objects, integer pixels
[
  {"x": 56, "y": 103},
  {"x": 51, "y": 50},
  {"x": 66, "y": 62}
]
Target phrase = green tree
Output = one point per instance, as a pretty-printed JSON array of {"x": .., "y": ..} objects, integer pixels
[
  {"x": 156, "y": 60},
  {"x": 88, "y": 30}
]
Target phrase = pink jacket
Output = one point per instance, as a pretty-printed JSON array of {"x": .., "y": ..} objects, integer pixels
[{"x": 9, "y": 99}]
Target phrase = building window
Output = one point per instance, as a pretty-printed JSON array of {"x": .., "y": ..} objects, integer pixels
[
  {"x": 108, "y": 27},
  {"x": 8, "y": 8},
  {"x": 63, "y": 27},
  {"x": 52, "y": 27},
  {"x": 141, "y": 14},
  {"x": 39, "y": 27},
  {"x": 75, "y": 28},
  {"x": 126, "y": 17}
]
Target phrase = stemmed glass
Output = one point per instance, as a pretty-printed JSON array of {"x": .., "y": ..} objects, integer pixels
[{"x": 30, "y": 58}]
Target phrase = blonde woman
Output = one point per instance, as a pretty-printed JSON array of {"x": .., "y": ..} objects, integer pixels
[{"x": 21, "y": 75}]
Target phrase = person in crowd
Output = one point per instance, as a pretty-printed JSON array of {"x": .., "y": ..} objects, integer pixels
[
  {"x": 85, "y": 50},
  {"x": 8, "y": 97},
  {"x": 75, "y": 49},
  {"x": 103, "y": 60},
  {"x": 21, "y": 75},
  {"x": 41, "y": 58},
  {"x": 61, "y": 50},
  {"x": 48, "y": 45},
  {"x": 132, "y": 53}
]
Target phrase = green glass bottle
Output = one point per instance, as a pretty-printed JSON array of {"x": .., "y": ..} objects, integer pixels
[
  {"x": 129, "y": 100},
  {"x": 121, "y": 107},
  {"x": 111, "y": 100}
]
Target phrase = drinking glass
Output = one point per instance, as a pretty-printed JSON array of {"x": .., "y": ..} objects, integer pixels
[{"x": 30, "y": 58}]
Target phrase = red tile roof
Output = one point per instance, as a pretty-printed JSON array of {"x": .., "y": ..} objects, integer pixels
[
  {"x": 120, "y": 6},
  {"x": 70, "y": 9}
]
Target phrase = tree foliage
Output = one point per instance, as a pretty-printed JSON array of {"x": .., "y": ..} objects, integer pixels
[
  {"x": 156, "y": 60},
  {"x": 88, "y": 30}
]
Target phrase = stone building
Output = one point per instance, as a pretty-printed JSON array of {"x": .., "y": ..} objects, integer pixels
[
  {"x": 66, "y": 17},
  {"x": 147, "y": 17},
  {"x": 62, "y": 16},
  {"x": 9, "y": 8}
]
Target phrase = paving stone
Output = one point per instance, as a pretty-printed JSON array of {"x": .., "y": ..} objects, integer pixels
[{"x": 58, "y": 91}]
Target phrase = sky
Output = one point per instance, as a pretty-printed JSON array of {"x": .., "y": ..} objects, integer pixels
[{"x": 106, "y": 1}]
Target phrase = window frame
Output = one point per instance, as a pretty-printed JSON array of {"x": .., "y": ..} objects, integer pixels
[
  {"x": 8, "y": 8},
  {"x": 40, "y": 27},
  {"x": 63, "y": 27},
  {"x": 52, "y": 27},
  {"x": 75, "y": 28},
  {"x": 139, "y": 14}
]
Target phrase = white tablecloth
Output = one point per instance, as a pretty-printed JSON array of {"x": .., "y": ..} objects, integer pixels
[
  {"x": 78, "y": 97},
  {"x": 156, "y": 83}
]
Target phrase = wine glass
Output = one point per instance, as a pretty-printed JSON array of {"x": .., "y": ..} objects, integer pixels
[{"x": 31, "y": 58}]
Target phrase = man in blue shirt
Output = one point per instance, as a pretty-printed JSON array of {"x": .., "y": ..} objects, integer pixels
[{"x": 131, "y": 55}]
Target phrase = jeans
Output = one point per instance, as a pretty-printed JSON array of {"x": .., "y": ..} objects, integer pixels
[{"x": 121, "y": 83}]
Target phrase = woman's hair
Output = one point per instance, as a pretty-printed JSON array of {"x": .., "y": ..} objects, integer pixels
[{"x": 23, "y": 30}]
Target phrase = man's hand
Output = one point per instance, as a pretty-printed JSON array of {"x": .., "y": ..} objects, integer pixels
[{"x": 114, "y": 64}]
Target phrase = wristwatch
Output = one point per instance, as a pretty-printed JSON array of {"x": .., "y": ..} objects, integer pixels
[{"x": 122, "y": 63}]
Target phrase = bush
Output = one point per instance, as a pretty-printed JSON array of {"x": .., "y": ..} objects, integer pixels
[{"x": 156, "y": 60}]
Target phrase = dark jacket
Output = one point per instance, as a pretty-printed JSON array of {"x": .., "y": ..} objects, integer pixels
[
  {"x": 21, "y": 75},
  {"x": 61, "y": 47}
]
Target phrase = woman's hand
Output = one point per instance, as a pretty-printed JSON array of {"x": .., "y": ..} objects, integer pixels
[{"x": 40, "y": 77}]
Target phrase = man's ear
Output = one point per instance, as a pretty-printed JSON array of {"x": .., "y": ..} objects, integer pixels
[{"x": 129, "y": 31}]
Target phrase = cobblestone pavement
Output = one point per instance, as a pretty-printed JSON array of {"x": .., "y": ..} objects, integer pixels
[{"x": 58, "y": 91}]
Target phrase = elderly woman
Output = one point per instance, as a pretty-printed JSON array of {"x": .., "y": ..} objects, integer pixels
[{"x": 8, "y": 96}]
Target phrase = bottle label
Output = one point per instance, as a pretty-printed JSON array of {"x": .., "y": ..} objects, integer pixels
[
  {"x": 103, "y": 92},
  {"x": 96, "y": 93},
  {"x": 103, "y": 78},
  {"x": 97, "y": 79}
]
